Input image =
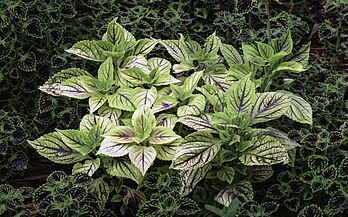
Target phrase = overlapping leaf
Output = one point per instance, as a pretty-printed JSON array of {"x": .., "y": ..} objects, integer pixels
[
  {"x": 190, "y": 178},
  {"x": 162, "y": 135},
  {"x": 142, "y": 157},
  {"x": 122, "y": 99},
  {"x": 144, "y": 97},
  {"x": 113, "y": 149},
  {"x": 243, "y": 191},
  {"x": 202, "y": 122},
  {"x": 122, "y": 167},
  {"x": 89, "y": 167}
]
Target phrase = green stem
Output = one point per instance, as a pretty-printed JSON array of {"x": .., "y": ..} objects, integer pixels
[{"x": 268, "y": 21}]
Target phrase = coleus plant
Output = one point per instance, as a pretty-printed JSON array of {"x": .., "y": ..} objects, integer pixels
[
  {"x": 228, "y": 144},
  {"x": 127, "y": 93}
]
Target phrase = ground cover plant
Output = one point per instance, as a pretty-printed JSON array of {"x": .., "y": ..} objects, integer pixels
[{"x": 139, "y": 115}]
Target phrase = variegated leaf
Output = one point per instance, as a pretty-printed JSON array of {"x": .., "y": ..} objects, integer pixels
[
  {"x": 163, "y": 103},
  {"x": 113, "y": 149},
  {"x": 191, "y": 82},
  {"x": 167, "y": 151},
  {"x": 226, "y": 174},
  {"x": 166, "y": 120},
  {"x": 268, "y": 106},
  {"x": 291, "y": 66},
  {"x": 144, "y": 46},
  {"x": 197, "y": 150},
  {"x": 112, "y": 113},
  {"x": 165, "y": 79},
  {"x": 266, "y": 150},
  {"x": 260, "y": 173},
  {"x": 283, "y": 44},
  {"x": 91, "y": 50},
  {"x": 143, "y": 121},
  {"x": 162, "y": 135},
  {"x": 138, "y": 62},
  {"x": 116, "y": 34},
  {"x": 241, "y": 96},
  {"x": 77, "y": 140},
  {"x": 88, "y": 167},
  {"x": 251, "y": 53},
  {"x": 299, "y": 110},
  {"x": 162, "y": 65},
  {"x": 80, "y": 87},
  {"x": 302, "y": 55},
  {"x": 222, "y": 81},
  {"x": 52, "y": 147},
  {"x": 89, "y": 121},
  {"x": 122, "y": 167},
  {"x": 144, "y": 97},
  {"x": 202, "y": 122},
  {"x": 175, "y": 49},
  {"x": 120, "y": 134},
  {"x": 51, "y": 86},
  {"x": 96, "y": 101},
  {"x": 231, "y": 54},
  {"x": 243, "y": 191},
  {"x": 278, "y": 135},
  {"x": 190, "y": 178},
  {"x": 211, "y": 44},
  {"x": 142, "y": 157},
  {"x": 122, "y": 99},
  {"x": 106, "y": 71},
  {"x": 195, "y": 106}
]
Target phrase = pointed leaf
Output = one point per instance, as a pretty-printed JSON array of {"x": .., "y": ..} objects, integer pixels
[
  {"x": 265, "y": 151},
  {"x": 223, "y": 119},
  {"x": 190, "y": 178},
  {"x": 78, "y": 87},
  {"x": 299, "y": 110},
  {"x": 195, "y": 106},
  {"x": 198, "y": 123},
  {"x": 197, "y": 150},
  {"x": 291, "y": 66},
  {"x": 113, "y": 149},
  {"x": 144, "y": 97},
  {"x": 265, "y": 50},
  {"x": 252, "y": 54},
  {"x": 91, "y": 50},
  {"x": 226, "y": 174},
  {"x": 211, "y": 44},
  {"x": 142, "y": 157},
  {"x": 111, "y": 113},
  {"x": 175, "y": 49},
  {"x": 53, "y": 148},
  {"x": 162, "y": 65},
  {"x": 122, "y": 99},
  {"x": 243, "y": 191},
  {"x": 143, "y": 121},
  {"x": 89, "y": 167},
  {"x": 106, "y": 71},
  {"x": 120, "y": 134},
  {"x": 231, "y": 55},
  {"x": 116, "y": 34},
  {"x": 167, "y": 151},
  {"x": 144, "y": 46},
  {"x": 162, "y": 135},
  {"x": 122, "y": 167},
  {"x": 191, "y": 82},
  {"x": 100, "y": 190},
  {"x": 96, "y": 101},
  {"x": 167, "y": 120},
  {"x": 77, "y": 140},
  {"x": 89, "y": 121},
  {"x": 222, "y": 81},
  {"x": 284, "y": 43},
  {"x": 165, "y": 79},
  {"x": 241, "y": 96},
  {"x": 268, "y": 106},
  {"x": 278, "y": 135},
  {"x": 133, "y": 76},
  {"x": 302, "y": 56},
  {"x": 136, "y": 62}
]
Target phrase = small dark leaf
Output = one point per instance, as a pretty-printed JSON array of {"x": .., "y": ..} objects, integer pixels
[{"x": 311, "y": 211}]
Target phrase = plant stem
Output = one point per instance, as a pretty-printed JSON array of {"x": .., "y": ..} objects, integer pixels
[{"x": 268, "y": 21}]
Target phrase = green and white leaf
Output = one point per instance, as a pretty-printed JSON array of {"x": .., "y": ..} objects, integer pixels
[
  {"x": 106, "y": 71},
  {"x": 231, "y": 54},
  {"x": 122, "y": 167},
  {"x": 222, "y": 81},
  {"x": 165, "y": 79},
  {"x": 202, "y": 122},
  {"x": 191, "y": 82},
  {"x": 241, "y": 96},
  {"x": 268, "y": 106},
  {"x": 183, "y": 67},
  {"x": 120, "y": 134},
  {"x": 161, "y": 64},
  {"x": 80, "y": 87},
  {"x": 91, "y": 50},
  {"x": 104, "y": 124},
  {"x": 144, "y": 97},
  {"x": 195, "y": 106},
  {"x": 243, "y": 191},
  {"x": 239, "y": 71},
  {"x": 122, "y": 99},
  {"x": 299, "y": 110},
  {"x": 88, "y": 167},
  {"x": 223, "y": 119},
  {"x": 302, "y": 56},
  {"x": 162, "y": 135},
  {"x": 112, "y": 113},
  {"x": 132, "y": 77},
  {"x": 266, "y": 150},
  {"x": 142, "y": 157},
  {"x": 77, "y": 140},
  {"x": 176, "y": 50},
  {"x": 252, "y": 54},
  {"x": 164, "y": 103},
  {"x": 116, "y": 34},
  {"x": 167, "y": 120},
  {"x": 113, "y": 149},
  {"x": 265, "y": 50},
  {"x": 197, "y": 150},
  {"x": 143, "y": 121},
  {"x": 211, "y": 44},
  {"x": 283, "y": 44},
  {"x": 278, "y": 135},
  {"x": 144, "y": 46},
  {"x": 96, "y": 101},
  {"x": 226, "y": 174},
  {"x": 291, "y": 66},
  {"x": 167, "y": 151},
  {"x": 137, "y": 62},
  {"x": 52, "y": 147},
  {"x": 190, "y": 178}
]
